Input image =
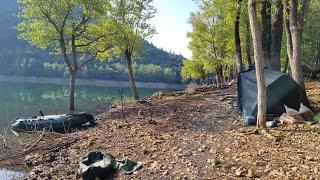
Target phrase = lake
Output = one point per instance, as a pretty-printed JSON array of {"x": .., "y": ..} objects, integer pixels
[{"x": 25, "y": 99}]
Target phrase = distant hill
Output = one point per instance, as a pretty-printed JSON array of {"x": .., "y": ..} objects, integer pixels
[{"x": 19, "y": 58}]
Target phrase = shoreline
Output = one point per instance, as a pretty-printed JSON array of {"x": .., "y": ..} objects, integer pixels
[
  {"x": 89, "y": 82},
  {"x": 162, "y": 141}
]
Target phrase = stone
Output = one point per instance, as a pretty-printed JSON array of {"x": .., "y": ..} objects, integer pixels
[
  {"x": 316, "y": 170},
  {"x": 216, "y": 162},
  {"x": 294, "y": 169},
  {"x": 227, "y": 150},
  {"x": 309, "y": 158},
  {"x": 188, "y": 153},
  {"x": 154, "y": 165},
  {"x": 239, "y": 172},
  {"x": 165, "y": 173},
  {"x": 250, "y": 173}
]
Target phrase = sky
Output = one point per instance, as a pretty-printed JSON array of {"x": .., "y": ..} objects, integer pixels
[{"x": 171, "y": 23}]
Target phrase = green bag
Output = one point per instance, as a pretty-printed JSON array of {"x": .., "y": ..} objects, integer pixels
[
  {"x": 97, "y": 164},
  {"x": 102, "y": 165}
]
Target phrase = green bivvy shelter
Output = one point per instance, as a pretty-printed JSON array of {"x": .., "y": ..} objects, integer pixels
[{"x": 281, "y": 90}]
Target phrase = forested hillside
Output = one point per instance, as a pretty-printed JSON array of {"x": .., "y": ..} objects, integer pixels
[{"x": 20, "y": 59}]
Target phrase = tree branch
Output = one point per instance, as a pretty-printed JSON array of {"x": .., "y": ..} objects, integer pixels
[
  {"x": 304, "y": 9},
  {"x": 65, "y": 19},
  {"x": 83, "y": 22},
  {"x": 95, "y": 40},
  {"x": 94, "y": 56},
  {"x": 46, "y": 13}
]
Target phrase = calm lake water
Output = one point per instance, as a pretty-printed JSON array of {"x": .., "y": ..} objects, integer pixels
[{"x": 26, "y": 99}]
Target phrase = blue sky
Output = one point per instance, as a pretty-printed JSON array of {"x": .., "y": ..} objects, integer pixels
[{"x": 171, "y": 24}]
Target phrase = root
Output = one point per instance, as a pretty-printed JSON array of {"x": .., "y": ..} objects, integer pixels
[{"x": 262, "y": 131}]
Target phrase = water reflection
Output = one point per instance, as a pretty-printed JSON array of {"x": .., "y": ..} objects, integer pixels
[{"x": 25, "y": 99}]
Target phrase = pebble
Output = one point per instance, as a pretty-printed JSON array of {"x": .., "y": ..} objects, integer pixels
[
  {"x": 165, "y": 173},
  {"x": 309, "y": 158},
  {"x": 294, "y": 169},
  {"x": 316, "y": 170},
  {"x": 250, "y": 173},
  {"x": 239, "y": 172}
]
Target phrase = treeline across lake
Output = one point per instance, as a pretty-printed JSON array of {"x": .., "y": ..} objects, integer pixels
[
  {"x": 153, "y": 65},
  {"x": 18, "y": 58}
]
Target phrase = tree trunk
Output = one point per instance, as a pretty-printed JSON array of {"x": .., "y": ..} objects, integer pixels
[
  {"x": 72, "y": 90},
  {"x": 259, "y": 59},
  {"x": 128, "y": 56},
  {"x": 276, "y": 35},
  {"x": 295, "y": 63},
  {"x": 288, "y": 33},
  {"x": 237, "y": 40},
  {"x": 219, "y": 76},
  {"x": 248, "y": 44},
  {"x": 285, "y": 70},
  {"x": 266, "y": 32},
  {"x": 72, "y": 65},
  {"x": 316, "y": 69},
  {"x": 73, "y": 73},
  {"x": 238, "y": 53}
]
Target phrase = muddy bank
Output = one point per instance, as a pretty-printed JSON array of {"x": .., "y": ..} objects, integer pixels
[{"x": 195, "y": 135}]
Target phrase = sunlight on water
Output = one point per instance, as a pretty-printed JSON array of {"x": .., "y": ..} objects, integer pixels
[{"x": 8, "y": 175}]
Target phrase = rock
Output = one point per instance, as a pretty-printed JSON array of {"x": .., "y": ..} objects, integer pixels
[
  {"x": 153, "y": 156},
  {"x": 250, "y": 173},
  {"x": 227, "y": 150},
  {"x": 276, "y": 173},
  {"x": 165, "y": 173},
  {"x": 188, "y": 153},
  {"x": 154, "y": 165},
  {"x": 309, "y": 158},
  {"x": 316, "y": 170},
  {"x": 212, "y": 151},
  {"x": 239, "y": 172},
  {"x": 36, "y": 171},
  {"x": 268, "y": 167},
  {"x": 294, "y": 169},
  {"x": 305, "y": 166},
  {"x": 145, "y": 151},
  {"x": 216, "y": 162},
  {"x": 153, "y": 122},
  {"x": 261, "y": 152}
]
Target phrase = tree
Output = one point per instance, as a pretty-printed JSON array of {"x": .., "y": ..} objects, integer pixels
[
  {"x": 271, "y": 17},
  {"x": 276, "y": 35},
  {"x": 266, "y": 31},
  {"x": 133, "y": 26},
  {"x": 237, "y": 40},
  {"x": 193, "y": 70},
  {"x": 248, "y": 42},
  {"x": 212, "y": 42},
  {"x": 311, "y": 39},
  {"x": 294, "y": 22},
  {"x": 259, "y": 62},
  {"x": 75, "y": 29}
]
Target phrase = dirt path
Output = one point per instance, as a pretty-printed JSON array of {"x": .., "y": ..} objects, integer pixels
[{"x": 187, "y": 136}]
